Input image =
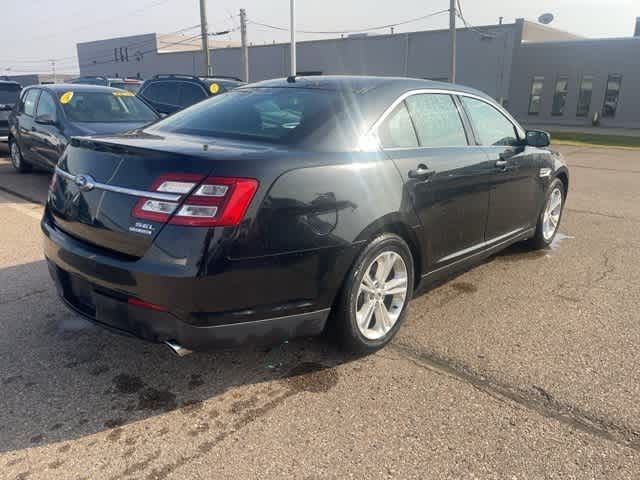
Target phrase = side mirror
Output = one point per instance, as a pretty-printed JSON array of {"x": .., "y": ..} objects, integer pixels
[
  {"x": 45, "y": 120},
  {"x": 538, "y": 138}
]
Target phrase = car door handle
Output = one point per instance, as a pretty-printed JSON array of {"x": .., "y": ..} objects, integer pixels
[{"x": 420, "y": 173}]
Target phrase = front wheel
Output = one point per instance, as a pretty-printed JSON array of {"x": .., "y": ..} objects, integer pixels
[
  {"x": 549, "y": 219},
  {"x": 374, "y": 300},
  {"x": 16, "y": 158}
]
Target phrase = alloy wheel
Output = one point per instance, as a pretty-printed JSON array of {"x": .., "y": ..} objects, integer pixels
[
  {"x": 551, "y": 215},
  {"x": 16, "y": 158},
  {"x": 381, "y": 295}
]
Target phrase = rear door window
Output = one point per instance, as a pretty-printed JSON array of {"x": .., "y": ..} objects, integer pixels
[
  {"x": 190, "y": 94},
  {"x": 162, "y": 92},
  {"x": 30, "y": 100},
  {"x": 437, "y": 120},
  {"x": 9, "y": 93}
]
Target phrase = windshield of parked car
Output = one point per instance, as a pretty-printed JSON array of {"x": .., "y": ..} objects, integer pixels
[
  {"x": 275, "y": 115},
  {"x": 9, "y": 93},
  {"x": 106, "y": 107}
]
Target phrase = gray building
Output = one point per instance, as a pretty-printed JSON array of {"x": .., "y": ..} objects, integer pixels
[{"x": 538, "y": 72}]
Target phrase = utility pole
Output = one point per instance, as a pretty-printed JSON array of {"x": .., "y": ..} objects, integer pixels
[
  {"x": 204, "y": 32},
  {"x": 452, "y": 40},
  {"x": 245, "y": 48},
  {"x": 294, "y": 67}
]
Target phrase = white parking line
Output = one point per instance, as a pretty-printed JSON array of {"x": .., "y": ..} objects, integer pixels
[{"x": 33, "y": 210}]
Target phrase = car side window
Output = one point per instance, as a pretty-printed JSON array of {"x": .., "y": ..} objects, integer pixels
[
  {"x": 190, "y": 94},
  {"x": 162, "y": 92},
  {"x": 47, "y": 106},
  {"x": 437, "y": 120},
  {"x": 397, "y": 130},
  {"x": 492, "y": 127},
  {"x": 30, "y": 100}
]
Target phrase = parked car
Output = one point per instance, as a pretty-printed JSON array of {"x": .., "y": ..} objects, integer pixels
[
  {"x": 131, "y": 84},
  {"x": 47, "y": 116},
  {"x": 169, "y": 93},
  {"x": 9, "y": 93},
  {"x": 267, "y": 212}
]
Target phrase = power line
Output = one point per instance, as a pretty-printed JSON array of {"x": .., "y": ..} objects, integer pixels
[{"x": 356, "y": 30}]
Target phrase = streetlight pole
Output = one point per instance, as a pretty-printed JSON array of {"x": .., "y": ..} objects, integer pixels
[
  {"x": 452, "y": 40},
  {"x": 245, "y": 49},
  {"x": 294, "y": 68},
  {"x": 204, "y": 32}
]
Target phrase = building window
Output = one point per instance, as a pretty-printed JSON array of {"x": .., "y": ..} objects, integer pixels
[
  {"x": 611, "y": 95},
  {"x": 560, "y": 95},
  {"x": 535, "y": 98},
  {"x": 584, "y": 96}
]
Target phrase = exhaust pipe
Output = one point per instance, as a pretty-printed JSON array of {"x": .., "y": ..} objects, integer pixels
[{"x": 177, "y": 348}]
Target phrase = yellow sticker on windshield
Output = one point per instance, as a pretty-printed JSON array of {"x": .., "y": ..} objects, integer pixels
[
  {"x": 66, "y": 97},
  {"x": 214, "y": 88},
  {"x": 122, "y": 93}
]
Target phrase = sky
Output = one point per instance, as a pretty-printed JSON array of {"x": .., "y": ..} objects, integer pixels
[{"x": 34, "y": 31}]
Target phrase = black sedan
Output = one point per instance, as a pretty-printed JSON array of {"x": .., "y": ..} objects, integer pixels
[
  {"x": 47, "y": 116},
  {"x": 286, "y": 206}
]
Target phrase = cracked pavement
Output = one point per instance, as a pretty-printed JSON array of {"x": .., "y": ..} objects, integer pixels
[{"x": 523, "y": 367}]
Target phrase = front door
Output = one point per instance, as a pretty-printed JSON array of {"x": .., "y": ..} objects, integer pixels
[
  {"x": 25, "y": 123},
  {"x": 446, "y": 178},
  {"x": 48, "y": 142},
  {"x": 513, "y": 193}
]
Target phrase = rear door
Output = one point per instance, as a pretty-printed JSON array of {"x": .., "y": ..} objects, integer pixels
[
  {"x": 514, "y": 169},
  {"x": 48, "y": 142},
  {"x": 446, "y": 177}
]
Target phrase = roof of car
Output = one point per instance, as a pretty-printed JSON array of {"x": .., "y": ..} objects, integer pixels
[
  {"x": 76, "y": 87},
  {"x": 9, "y": 82},
  {"x": 362, "y": 84}
]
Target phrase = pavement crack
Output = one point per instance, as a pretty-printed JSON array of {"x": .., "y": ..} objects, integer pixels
[
  {"x": 26, "y": 295},
  {"x": 599, "y": 214},
  {"x": 535, "y": 399}
]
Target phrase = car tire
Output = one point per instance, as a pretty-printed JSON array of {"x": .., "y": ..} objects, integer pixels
[
  {"x": 550, "y": 216},
  {"x": 16, "y": 158},
  {"x": 370, "y": 309}
]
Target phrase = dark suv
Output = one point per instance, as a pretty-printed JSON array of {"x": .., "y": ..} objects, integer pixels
[
  {"x": 9, "y": 93},
  {"x": 170, "y": 93}
]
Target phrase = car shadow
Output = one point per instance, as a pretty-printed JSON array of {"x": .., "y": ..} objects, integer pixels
[{"x": 62, "y": 378}]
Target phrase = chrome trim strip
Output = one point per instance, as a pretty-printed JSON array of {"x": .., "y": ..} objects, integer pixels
[
  {"x": 4, "y": 139},
  {"x": 125, "y": 191},
  {"x": 480, "y": 245},
  {"x": 522, "y": 235},
  {"x": 445, "y": 91}
]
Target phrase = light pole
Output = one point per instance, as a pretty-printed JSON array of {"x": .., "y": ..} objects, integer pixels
[{"x": 294, "y": 68}]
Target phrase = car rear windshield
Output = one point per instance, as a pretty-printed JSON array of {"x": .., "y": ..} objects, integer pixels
[
  {"x": 9, "y": 94},
  {"x": 106, "y": 107},
  {"x": 274, "y": 115}
]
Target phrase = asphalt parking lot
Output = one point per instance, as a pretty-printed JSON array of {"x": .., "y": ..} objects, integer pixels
[{"x": 523, "y": 367}]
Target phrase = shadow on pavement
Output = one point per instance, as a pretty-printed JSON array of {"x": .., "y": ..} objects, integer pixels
[{"x": 62, "y": 378}]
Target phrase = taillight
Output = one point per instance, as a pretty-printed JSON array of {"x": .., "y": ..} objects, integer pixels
[{"x": 215, "y": 201}]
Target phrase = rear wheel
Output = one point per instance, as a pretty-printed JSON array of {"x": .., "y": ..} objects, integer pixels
[
  {"x": 16, "y": 158},
  {"x": 375, "y": 296},
  {"x": 549, "y": 219}
]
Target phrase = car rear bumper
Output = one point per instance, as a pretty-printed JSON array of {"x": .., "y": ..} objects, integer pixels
[
  {"x": 111, "y": 310},
  {"x": 100, "y": 290}
]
